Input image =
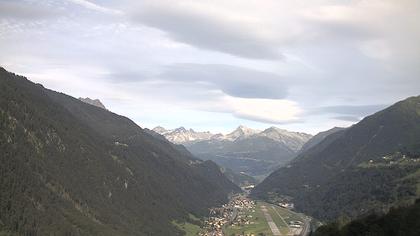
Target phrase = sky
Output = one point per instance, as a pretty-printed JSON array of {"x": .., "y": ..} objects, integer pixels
[{"x": 212, "y": 65}]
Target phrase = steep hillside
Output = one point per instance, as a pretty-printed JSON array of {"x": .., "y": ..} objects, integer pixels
[
  {"x": 351, "y": 171},
  {"x": 69, "y": 168},
  {"x": 404, "y": 221},
  {"x": 315, "y": 140}
]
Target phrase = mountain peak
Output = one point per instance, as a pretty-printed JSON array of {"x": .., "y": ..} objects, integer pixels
[
  {"x": 241, "y": 132},
  {"x": 274, "y": 129},
  {"x": 181, "y": 135},
  {"x": 242, "y": 127},
  {"x": 160, "y": 130},
  {"x": 94, "y": 102},
  {"x": 180, "y": 129},
  {"x": 294, "y": 140}
]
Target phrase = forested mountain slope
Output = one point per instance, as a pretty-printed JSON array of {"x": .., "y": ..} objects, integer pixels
[
  {"x": 315, "y": 140},
  {"x": 372, "y": 165},
  {"x": 70, "y": 168},
  {"x": 404, "y": 221}
]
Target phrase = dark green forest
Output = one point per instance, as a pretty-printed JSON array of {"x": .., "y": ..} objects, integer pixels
[
  {"x": 404, "y": 221},
  {"x": 70, "y": 168}
]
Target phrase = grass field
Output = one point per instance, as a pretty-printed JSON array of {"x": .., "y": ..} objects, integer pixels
[
  {"x": 259, "y": 225},
  {"x": 189, "y": 228}
]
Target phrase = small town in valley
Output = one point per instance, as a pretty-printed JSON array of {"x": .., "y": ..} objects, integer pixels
[{"x": 243, "y": 216}]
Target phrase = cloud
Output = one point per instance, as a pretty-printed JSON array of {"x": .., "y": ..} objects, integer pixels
[
  {"x": 362, "y": 24},
  {"x": 205, "y": 56},
  {"x": 344, "y": 21},
  {"x": 265, "y": 110},
  {"x": 96, "y": 7},
  {"x": 232, "y": 80},
  {"x": 203, "y": 28},
  {"x": 350, "y": 112},
  {"x": 348, "y": 118},
  {"x": 22, "y": 11},
  {"x": 205, "y": 93}
]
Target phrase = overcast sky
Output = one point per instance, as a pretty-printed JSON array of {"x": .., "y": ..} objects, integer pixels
[{"x": 213, "y": 65}]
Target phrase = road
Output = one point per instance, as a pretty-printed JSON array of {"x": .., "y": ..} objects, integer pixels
[
  {"x": 233, "y": 216},
  {"x": 274, "y": 229},
  {"x": 306, "y": 228}
]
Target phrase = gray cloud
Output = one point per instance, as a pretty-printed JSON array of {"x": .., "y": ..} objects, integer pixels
[
  {"x": 349, "y": 112},
  {"x": 22, "y": 11},
  {"x": 348, "y": 118},
  {"x": 204, "y": 31},
  {"x": 232, "y": 80},
  {"x": 342, "y": 30},
  {"x": 267, "y": 120},
  {"x": 128, "y": 76}
]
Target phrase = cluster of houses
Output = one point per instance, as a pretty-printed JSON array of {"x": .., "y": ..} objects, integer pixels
[
  {"x": 228, "y": 214},
  {"x": 242, "y": 206},
  {"x": 219, "y": 217},
  {"x": 395, "y": 159}
]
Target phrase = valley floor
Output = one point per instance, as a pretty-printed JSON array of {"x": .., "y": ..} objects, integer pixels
[{"x": 242, "y": 216}]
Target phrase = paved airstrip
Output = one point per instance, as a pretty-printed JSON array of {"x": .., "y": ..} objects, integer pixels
[{"x": 273, "y": 226}]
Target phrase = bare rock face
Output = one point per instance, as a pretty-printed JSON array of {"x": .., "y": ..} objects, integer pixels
[{"x": 94, "y": 102}]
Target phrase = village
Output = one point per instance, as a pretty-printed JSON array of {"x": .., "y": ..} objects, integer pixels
[
  {"x": 229, "y": 214},
  {"x": 245, "y": 217}
]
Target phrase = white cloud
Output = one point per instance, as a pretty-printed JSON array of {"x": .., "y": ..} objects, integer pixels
[
  {"x": 96, "y": 7},
  {"x": 264, "y": 110}
]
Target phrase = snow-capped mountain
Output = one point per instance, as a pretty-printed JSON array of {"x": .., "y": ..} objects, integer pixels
[
  {"x": 252, "y": 151},
  {"x": 160, "y": 130},
  {"x": 182, "y": 136},
  {"x": 240, "y": 133}
]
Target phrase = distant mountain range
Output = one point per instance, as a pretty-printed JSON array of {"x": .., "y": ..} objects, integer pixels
[
  {"x": 182, "y": 135},
  {"x": 371, "y": 165},
  {"x": 69, "y": 168},
  {"x": 244, "y": 150}
]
